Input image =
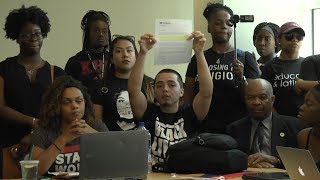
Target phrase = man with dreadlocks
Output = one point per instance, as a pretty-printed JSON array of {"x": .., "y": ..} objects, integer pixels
[
  {"x": 88, "y": 65},
  {"x": 25, "y": 77},
  {"x": 228, "y": 74}
]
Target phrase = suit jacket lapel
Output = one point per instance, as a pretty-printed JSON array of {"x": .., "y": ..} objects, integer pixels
[{"x": 278, "y": 134}]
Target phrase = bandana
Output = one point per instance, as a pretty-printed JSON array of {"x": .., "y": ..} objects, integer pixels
[{"x": 267, "y": 28}]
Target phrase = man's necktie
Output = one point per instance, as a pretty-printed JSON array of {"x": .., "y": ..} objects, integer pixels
[{"x": 257, "y": 139}]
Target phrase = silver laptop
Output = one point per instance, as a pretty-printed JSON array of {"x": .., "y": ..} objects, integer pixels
[
  {"x": 298, "y": 163},
  {"x": 114, "y": 155}
]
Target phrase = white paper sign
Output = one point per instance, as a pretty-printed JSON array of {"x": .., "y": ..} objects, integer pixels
[{"x": 172, "y": 46}]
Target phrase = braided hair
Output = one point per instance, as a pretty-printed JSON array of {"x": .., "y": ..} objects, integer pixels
[
  {"x": 90, "y": 17},
  {"x": 17, "y": 18},
  {"x": 275, "y": 28},
  {"x": 213, "y": 8}
]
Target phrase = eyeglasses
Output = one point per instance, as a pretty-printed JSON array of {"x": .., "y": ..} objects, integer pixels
[
  {"x": 290, "y": 36},
  {"x": 128, "y": 37},
  {"x": 28, "y": 36}
]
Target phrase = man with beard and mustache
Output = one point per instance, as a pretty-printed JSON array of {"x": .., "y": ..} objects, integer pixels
[
  {"x": 263, "y": 130},
  {"x": 89, "y": 64},
  {"x": 228, "y": 74},
  {"x": 25, "y": 77}
]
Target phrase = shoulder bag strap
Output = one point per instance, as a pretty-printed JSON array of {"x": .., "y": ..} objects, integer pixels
[{"x": 52, "y": 73}]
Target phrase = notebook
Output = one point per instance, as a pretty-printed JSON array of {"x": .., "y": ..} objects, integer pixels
[
  {"x": 114, "y": 155},
  {"x": 298, "y": 163}
]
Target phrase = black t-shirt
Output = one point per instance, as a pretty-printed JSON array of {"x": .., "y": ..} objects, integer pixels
[
  {"x": 168, "y": 128},
  {"x": 282, "y": 74},
  {"x": 89, "y": 72},
  {"x": 227, "y": 104},
  {"x": 310, "y": 68},
  {"x": 22, "y": 95},
  {"x": 113, "y": 96}
]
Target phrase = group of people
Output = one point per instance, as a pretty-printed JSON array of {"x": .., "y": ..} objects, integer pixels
[{"x": 103, "y": 87}]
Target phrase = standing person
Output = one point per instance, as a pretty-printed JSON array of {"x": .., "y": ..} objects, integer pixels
[
  {"x": 282, "y": 71},
  {"x": 88, "y": 65},
  {"x": 266, "y": 42},
  {"x": 273, "y": 128},
  {"x": 111, "y": 98},
  {"x": 309, "y": 138},
  {"x": 66, "y": 113},
  {"x": 24, "y": 78},
  {"x": 309, "y": 74},
  {"x": 167, "y": 122},
  {"x": 228, "y": 74}
]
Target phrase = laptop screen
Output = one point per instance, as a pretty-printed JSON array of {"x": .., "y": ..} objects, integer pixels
[
  {"x": 114, "y": 154},
  {"x": 298, "y": 163}
]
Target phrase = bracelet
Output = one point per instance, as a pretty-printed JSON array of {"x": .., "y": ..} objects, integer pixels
[
  {"x": 56, "y": 146},
  {"x": 33, "y": 122}
]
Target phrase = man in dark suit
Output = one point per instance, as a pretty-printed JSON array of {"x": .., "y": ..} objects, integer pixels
[{"x": 263, "y": 130}]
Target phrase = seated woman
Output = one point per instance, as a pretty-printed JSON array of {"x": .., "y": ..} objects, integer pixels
[
  {"x": 309, "y": 138},
  {"x": 65, "y": 114}
]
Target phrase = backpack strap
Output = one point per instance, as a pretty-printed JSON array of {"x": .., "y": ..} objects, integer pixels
[{"x": 241, "y": 55}]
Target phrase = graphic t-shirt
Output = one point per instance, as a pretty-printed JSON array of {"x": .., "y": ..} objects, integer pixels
[
  {"x": 87, "y": 67},
  {"x": 168, "y": 128},
  {"x": 227, "y": 104},
  {"x": 282, "y": 74},
  {"x": 113, "y": 96},
  {"x": 69, "y": 159}
]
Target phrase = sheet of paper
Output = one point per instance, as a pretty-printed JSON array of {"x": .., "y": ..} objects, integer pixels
[{"x": 172, "y": 46}]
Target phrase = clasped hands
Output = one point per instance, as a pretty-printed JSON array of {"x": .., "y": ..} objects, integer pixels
[
  {"x": 75, "y": 129},
  {"x": 260, "y": 160}
]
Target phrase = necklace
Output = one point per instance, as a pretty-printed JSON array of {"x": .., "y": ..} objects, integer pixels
[
  {"x": 94, "y": 66},
  {"x": 31, "y": 69}
]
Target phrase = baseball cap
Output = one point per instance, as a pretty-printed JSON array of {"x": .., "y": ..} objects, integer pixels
[{"x": 289, "y": 26}]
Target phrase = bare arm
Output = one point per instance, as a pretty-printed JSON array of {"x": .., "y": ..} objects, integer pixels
[
  {"x": 47, "y": 156},
  {"x": 202, "y": 100},
  {"x": 138, "y": 100},
  {"x": 188, "y": 90},
  {"x": 8, "y": 113},
  {"x": 304, "y": 85},
  {"x": 98, "y": 111}
]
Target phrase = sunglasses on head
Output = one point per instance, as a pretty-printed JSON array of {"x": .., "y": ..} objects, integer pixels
[
  {"x": 290, "y": 36},
  {"x": 117, "y": 36}
]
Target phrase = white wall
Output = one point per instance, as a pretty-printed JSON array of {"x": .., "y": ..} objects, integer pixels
[
  {"x": 128, "y": 17},
  {"x": 276, "y": 11}
]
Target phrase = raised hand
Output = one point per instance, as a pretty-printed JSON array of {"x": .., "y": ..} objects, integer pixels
[
  {"x": 147, "y": 42},
  {"x": 198, "y": 41}
]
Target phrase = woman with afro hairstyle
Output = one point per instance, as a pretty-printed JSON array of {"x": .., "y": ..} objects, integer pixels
[
  {"x": 266, "y": 42},
  {"x": 88, "y": 65},
  {"x": 24, "y": 77},
  {"x": 66, "y": 113}
]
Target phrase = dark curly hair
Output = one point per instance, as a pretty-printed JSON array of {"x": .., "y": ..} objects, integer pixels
[
  {"x": 90, "y": 17},
  {"x": 17, "y": 18},
  {"x": 50, "y": 111},
  {"x": 212, "y": 8},
  {"x": 275, "y": 28}
]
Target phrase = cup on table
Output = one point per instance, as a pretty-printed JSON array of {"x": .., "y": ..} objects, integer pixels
[{"x": 29, "y": 169}]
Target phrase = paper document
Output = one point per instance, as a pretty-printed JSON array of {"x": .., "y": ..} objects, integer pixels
[{"x": 172, "y": 46}]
